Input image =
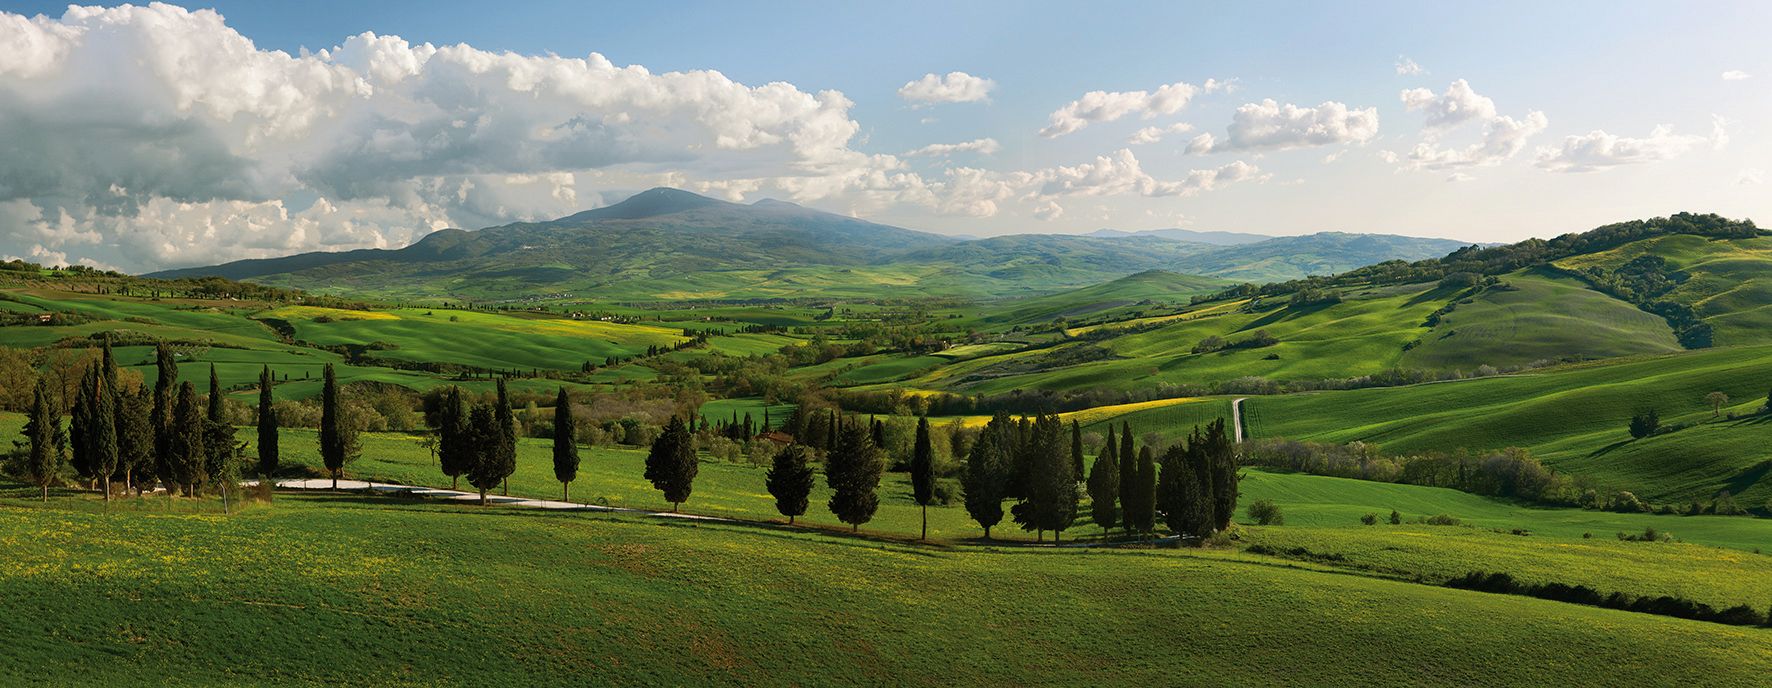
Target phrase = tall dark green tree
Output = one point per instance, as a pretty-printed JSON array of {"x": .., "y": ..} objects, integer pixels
[
  {"x": 1221, "y": 459},
  {"x": 789, "y": 480},
  {"x": 507, "y": 438},
  {"x": 1104, "y": 487},
  {"x": 853, "y": 473},
  {"x": 1129, "y": 491},
  {"x": 221, "y": 454},
  {"x": 101, "y": 437},
  {"x": 135, "y": 438},
  {"x": 48, "y": 441},
  {"x": 484, "y": 469},
  {"x": 186, "y": 452},
  {"x": 1188, "y": 505},
  {"x": 1050, "y": 498},
  {"x": 1141, "y": 504},
  {"x": 165, "y": 407},
  {"x": 565, "y": 445},
  {"x": 454, "y": 435},
  {"x": 1077, "y": 465},
  {"x": 671, "y": 466},
  {"x": 986, "y": 480},
  {"x": 923, "y": 472},
  {"x": 267, "y": 426},
  {"x": 338, "y": 438},
  {"x": 80, "y": 426}
]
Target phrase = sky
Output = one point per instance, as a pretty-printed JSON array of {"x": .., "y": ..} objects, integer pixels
[{"x": 158, "y": 136}]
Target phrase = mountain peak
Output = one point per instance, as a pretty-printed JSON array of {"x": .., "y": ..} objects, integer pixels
[{"x": 662, "y": 200}]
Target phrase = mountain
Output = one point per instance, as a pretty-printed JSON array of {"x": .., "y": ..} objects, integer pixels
[
  {"x": 675, "y": 245},
  {"x": 1189, "y": 235},
  {"x": 1119, "y": 298}
]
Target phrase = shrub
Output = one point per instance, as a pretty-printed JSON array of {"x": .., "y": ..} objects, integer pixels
[
  {"x": 1369, "y": 519},
  {"x": 1210, "y": 344},
  {"x": 1645, "y": 423},
  {"x": 1442, "y": 520},
  {"x": 1396, "y": 518},
  {"x": 1266, "y": 512}
]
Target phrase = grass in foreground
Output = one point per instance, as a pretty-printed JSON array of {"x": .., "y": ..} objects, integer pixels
[{"x": 313, "y": 590}]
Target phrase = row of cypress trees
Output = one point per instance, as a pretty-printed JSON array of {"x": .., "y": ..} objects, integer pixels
[
  {"x": 1195, "y": 491},
  {"x": 125, "y": 433}
]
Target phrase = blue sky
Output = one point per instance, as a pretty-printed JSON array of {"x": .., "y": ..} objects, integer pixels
[{"x": 1535, "y": 118}]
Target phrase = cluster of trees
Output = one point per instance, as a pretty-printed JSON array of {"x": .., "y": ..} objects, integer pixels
[
  {"x": 1511, "y": 473},
  {"x": 1212, "y": 343},
  {"x": 1192, "y": 489},
  {"x": 120, "y": 433},
  {"x": 480, "y": 440}
]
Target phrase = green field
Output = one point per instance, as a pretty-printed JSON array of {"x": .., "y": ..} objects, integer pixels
[
  {"x": 1573, "y": 417},
  {"x": 332, "y": 590}
]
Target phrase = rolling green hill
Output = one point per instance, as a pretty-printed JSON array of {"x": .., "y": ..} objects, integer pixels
[
  {"x": 1115, "y": 300},
  {"x": 446, "y": 594},
  {"x": 1727, "y": 281},
  {"x": 1574, "y": 417}
]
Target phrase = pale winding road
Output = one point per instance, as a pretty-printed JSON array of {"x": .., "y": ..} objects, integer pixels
[{"x": 1237, "y": 419}]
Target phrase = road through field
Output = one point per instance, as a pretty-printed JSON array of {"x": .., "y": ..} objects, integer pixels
[{"x": 1237, "y": 419}]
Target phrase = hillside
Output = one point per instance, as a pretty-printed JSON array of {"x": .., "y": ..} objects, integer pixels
[
  {"x": 1124, "y": 297},
  {"x": 666, "y": 244}
]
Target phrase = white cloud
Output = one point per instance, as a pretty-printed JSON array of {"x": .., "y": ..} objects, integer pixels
[
  {"x": 1751, "y": 176},
  {"x": 954, "y": 87},
  {"x": 1736, "y": 75},
  {"x": 1120, "y": 173},
  {"x": 1048, "y": 210},
  {"x": 1407, "y": 67},
  {"x": 1155, "y": 134},
  {"x": 156, "y": 137},
  {"x": 1459, "y": 104},
  {"x": 1105, "y": 106},
  {"x": 985, "y": 146},
  {"x": 1503, "y": 138},
  {"x": 1598, "y": 150},
  {"x": 1267, "y": 125}
]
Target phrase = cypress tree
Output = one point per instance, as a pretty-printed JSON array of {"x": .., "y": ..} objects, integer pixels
[
  {"x": 831, "y": 432},
  {"x": 480, "y": 442},
  {"x": 565, "y": 445},
  {"x": 853, "y": 473},
  {"x": 338, "y": 439},
  {"x": 186, "y": 445},
  {"x": 1104, "y": 487},
  {"x": 1205, "y": 513},
  {"x": 454, "y": 437},
  {"x": 1222, "y": 459},
  {"x": 267, "y": 426},
  {"x": 1076, "y": 451},
  {"x": 101, "y": 437},
  {"x": 221, "y": 456},
  {"x": 671, "y": 465},
  {"x": 135, "y": 438},
  {"x": 1129, "y": 491},
  {"x": 43, "y": 430},
  {"x": 165, "y": 400},
  {"x": 923, "y": 472},
  {"x": 80, "y": 426},
  {"x": 986, "y": 479},
  {"x": 1050, "y": 498},
  {"x": 506, "y": 442},
  {"x": 789, "y": 480},
  {"x": 1141, "y": 511}
]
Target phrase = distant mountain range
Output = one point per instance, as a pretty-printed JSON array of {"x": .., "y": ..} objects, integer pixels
[
  {"x": 675, "y": 245},
  {"x": 1214, "y": 238}
]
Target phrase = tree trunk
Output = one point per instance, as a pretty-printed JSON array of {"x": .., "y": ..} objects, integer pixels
[
  {"x": 673, "y": 507},
  {"x": 855, "y": 527},
  {"x": 505, "y": 486},
  {"x": 45, "y": 491},
  {"x": 335, "y": 480},
  {"x": 224, "y": 488},
  {"x": 565, "y": 494},
  {"x": 482, "y": 496},
  {"x": 987, "y": 532},
  {"x": 925, "y": 535},
  {"x": 107, "y": 489},
  {"x": 1040, "y": 535},
  {"x": 1054, "y": 537},
  {"x": 454, "y": 482},
  {"x": 790, "y": 520}
]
